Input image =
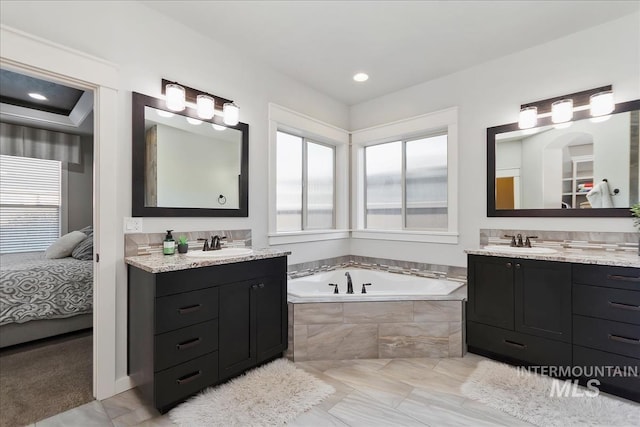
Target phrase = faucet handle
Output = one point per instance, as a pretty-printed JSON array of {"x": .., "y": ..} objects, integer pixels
[
  {"x": 335, "y": 290},
  {"x": 364, "y": 290},
  {"x": 513, "y": 239},
  {"x": 527, "y": 242}
]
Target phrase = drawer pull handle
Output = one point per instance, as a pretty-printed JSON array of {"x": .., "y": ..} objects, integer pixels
[
  {"x": 623, "y": 278},
  {"x": 515, "y": 344},
  {"x": 624, "y": 339},
  {"x": 188, "y": 378},
  {"x": 188, "y": 344},
  {"x": 624, "y": 306},
  {"x": 189, "y": 309}
]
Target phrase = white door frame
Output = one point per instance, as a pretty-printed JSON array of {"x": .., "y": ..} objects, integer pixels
[{"x": 22, "y": 51}]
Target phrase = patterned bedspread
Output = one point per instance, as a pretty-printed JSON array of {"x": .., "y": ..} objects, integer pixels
[{"x": 34, "y": 288}]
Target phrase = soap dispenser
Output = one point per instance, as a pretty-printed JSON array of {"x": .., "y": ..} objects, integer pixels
[{"x": 169, "y": 245}]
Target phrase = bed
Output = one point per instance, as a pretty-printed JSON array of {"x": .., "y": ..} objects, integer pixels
[{"x": 42, "y": 297}]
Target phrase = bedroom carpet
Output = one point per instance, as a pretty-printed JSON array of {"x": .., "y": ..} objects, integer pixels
[{"x": 41, "y": 380}]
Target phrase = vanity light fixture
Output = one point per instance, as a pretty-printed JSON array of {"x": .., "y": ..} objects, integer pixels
[
  {"x": 528, "y": 117},
  {"x": 176, "y": 100},
  {"x": 206, "y": 106},
  {"x": 163, "y": 113},
  {"x": 602, "y": 103},
  {"x": 562, "y": 111},
  {"x": 177, "y": 96},
  {"x": 217, "y": 127},
  {"x": 231, "y": 114},
  {"x": 193, "y": 121}
]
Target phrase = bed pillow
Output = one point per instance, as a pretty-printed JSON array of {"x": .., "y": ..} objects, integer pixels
[
  {"x": 63, "y": 247},
  {"x": 84, "y": 250}
]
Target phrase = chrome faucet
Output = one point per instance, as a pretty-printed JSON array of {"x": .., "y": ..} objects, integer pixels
[{"x": 349, "y": 283}]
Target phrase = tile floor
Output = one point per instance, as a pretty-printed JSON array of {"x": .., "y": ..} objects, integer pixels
[{"x": 373, "y": 392}]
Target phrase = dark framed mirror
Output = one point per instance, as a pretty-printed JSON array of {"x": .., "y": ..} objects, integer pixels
[
  {"x": 187, "y": 166},
  {"x": 549, "y": 170}
]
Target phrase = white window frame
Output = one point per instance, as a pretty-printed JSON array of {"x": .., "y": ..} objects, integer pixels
[
  {"x": 294, "y": 123},
  {"x": 444, "y": 121}
]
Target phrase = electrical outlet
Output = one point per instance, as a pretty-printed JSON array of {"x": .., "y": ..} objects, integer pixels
[{"x": 132, "y": 225}]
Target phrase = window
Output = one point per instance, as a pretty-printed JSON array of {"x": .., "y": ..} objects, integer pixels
[
  {"x": 30, "y": 203},
  {"x": 305, "y": 184},
  {"x": 406, "y": 184}
]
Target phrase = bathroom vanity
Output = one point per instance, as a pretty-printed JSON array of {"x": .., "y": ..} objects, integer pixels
[
  {"x": 561, "y": 310},
  {"x": 194, "y": 323}
]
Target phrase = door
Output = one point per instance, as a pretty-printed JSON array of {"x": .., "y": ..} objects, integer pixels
[
  {"x": 237, "y": 350},
  {"x": 271, "y": 318},
  {"x": 491, "y": 291},
  {"x": 505, "y": 193},
  {"x": 543, "y": 299}
]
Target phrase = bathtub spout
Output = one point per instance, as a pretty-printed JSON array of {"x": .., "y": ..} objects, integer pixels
[{"x": 349, "y": 283}]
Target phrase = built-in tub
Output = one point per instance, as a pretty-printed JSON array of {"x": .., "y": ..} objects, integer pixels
[
  {"x": 399, "y": 316},
  {"x": 384, "y": 286}
]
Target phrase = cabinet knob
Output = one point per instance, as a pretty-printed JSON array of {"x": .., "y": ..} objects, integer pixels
[
  {"x": 508, "y": 265},
  {"x": 518, "y": 266}
]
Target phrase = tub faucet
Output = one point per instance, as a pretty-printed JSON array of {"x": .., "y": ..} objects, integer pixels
[{"x": 349, "y": 283}]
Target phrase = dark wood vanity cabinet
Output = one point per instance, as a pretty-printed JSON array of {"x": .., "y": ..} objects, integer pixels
[
  {"x": 549, "y": 313},
  {"x": 191, "y": 329}
]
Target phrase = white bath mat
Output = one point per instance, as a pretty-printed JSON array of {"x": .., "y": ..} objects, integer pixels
[
  {"x": 529, "y": 398},
  {"x": 267, "y": 396}
]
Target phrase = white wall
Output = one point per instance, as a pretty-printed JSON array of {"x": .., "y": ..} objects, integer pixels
[
  {"x": 80, "y": 188},
  {"x": 490, "y": 94},
  {"x": 138, "y": 40}
]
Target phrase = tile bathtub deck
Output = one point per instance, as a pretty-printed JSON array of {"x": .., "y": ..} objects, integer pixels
[{"x": 373, "y": 392}]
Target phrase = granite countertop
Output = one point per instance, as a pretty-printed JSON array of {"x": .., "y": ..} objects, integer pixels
[
  {"x": 580, "y": 256},
  {"x": 159, "y": 263}
]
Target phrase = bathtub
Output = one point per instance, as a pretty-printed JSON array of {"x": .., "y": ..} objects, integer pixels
[
  {"x": 399, "y": 316},
  {"x": 384, "y": 286}
]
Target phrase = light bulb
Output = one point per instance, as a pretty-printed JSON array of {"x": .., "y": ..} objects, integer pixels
[
  {"x": 175, "y": 97},
  {"x": 193, "y": 121},
  {"x": 231, "y": 114},
  {"x": 528, "y": 117},
  {"x": 205, "y": 106},
  {"x": 602, "y": 103},
  {"x": 218, "y": 127},
  {"x": 562, "y": 111}
]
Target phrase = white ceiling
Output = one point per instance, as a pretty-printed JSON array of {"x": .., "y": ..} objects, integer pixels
[{"x": 398, "y": 43}]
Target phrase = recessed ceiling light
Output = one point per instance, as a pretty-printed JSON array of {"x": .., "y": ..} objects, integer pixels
[
  {"x": 361, "y": 77},
  {"x": 38, "y": 96}
]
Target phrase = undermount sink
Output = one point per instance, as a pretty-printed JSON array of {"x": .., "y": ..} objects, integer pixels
[
  {"x": 221, "y": 253},
  {"x": 522, "y": 250}
]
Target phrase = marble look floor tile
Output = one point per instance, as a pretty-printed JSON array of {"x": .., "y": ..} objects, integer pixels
[
  {"x": 357, "y": 409},
  {"x": 437, "y": 311},
  {"x": 161, "y": 421},
  {"x": 482, "y": 411},
  {"x": 135, "y": 417},
  {"x": 408, "y": 369},
  {"x": 397, "y": 340},
  {"x": 378, "y": 312},
  {"x": 316, "y": 417},
  {"x": 123, "y": 403},
  {"x": 317, "y": 313},
  {"x": 374, "y": 385},
  {"x": 342, "y": 341},
  {"x": 458, "y": 367},
  {"x": 90, "y": 414}
]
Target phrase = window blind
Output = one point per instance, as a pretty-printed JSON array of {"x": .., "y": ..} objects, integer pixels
[{"x": 30, "y": 202}]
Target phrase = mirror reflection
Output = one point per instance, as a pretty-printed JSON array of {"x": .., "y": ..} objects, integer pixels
[
  {"x": 585, "y": 164},
  {"x": 190, "y": 163}
]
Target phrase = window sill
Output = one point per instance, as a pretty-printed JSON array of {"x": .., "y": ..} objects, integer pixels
[
  {"x": 307, "y": 236},
  {"x": 445, "y": 237}
]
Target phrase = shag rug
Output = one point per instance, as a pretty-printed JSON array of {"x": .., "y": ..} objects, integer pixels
[
  {"x": 528, "y": 397},
  {"x": 270, "y": 395}
]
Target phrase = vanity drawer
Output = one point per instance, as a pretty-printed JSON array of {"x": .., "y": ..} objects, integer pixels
[
  {"x": 175, "y": 384},
  {"x": 614, "y": 337},
  {"x": 180, "y": 310},
  {"x": 602, "y": 275},
  {"x": 607, "y": 303},
  {"x": 518, "y": 346},
  {"x": 586, "y": 358},
  {"x": 175, "y": 347}
]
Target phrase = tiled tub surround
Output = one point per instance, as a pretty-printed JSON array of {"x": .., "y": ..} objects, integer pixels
[
  {"x": 151, "y": 243},
  {"x": 614, "y": 249},
  {"x": 392, "y": 326}
]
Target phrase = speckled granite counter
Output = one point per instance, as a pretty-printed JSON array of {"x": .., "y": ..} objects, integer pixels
[
  {"x": 611, "y": 258},
  {"x": 159, "y": 263}
]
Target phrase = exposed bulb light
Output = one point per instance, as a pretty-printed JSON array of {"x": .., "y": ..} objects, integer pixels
[
  {"x": 562, "y": 111},
  {"x": 37, "y": 96},
  {"x": 205, "y": 106},
  {"x": 563, "y": 125},
  {"x": 528, "y": 117},
  {"x": 361, "y": 77},
  {"x": 175, "y": 97},
  {"x": 231, "y": 114},
  {"x": 600, "y": 119},
  {"x": 193, "y": 121},
  {"x": 218, "y": 127},
  {"x": 163, "y": 113},
  {"x": 602, "y": 103}
]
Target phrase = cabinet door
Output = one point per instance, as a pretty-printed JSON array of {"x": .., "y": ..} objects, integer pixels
[
  {"x": 491, "y": 291},
  {"x": 271, "y": 318},
  {"x": 543, "y": 299},
  {"x": 237, "y": 350}
]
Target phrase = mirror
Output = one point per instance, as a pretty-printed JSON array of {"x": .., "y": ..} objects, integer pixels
[
  {"x": 550, "y": 169},
  {"x": 186, "y": 166}
]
